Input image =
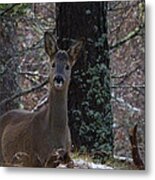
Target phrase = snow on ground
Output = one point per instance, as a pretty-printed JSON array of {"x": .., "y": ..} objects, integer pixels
[{"x": 82, "y": 164}]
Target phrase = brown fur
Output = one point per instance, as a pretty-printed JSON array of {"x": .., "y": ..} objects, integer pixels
[{"x": 40, "y": 133}]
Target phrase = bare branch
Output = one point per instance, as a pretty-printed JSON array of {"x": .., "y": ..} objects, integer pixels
[
  {"x": 130, "y": 35},
  {"x": 132, "y": 68},
  {"x": 118, "y": 75},
  {"x": 139, "y": 88},
  {"x": 41, "y": 102},
  {"x": 31, "y": 73},
  {"x": 24, "y": 92},
  {"x": 128, "y": 86}
]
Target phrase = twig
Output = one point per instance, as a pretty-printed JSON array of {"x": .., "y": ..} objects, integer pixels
[
  {"x": 128, "y": 86},
  {"x": 130, "y": 35},
  {"x": 41, "y": 102},
  {"x": 126, "y": 74},
  {"x": 24, "y": 92},
  {"x": 31, "y": 73}
]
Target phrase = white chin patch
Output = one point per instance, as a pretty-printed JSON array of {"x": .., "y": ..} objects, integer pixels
[{"x": 58, "y": 85}]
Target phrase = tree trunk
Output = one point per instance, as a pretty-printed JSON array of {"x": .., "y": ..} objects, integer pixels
[
  {"x": 8, "y": 63},
  {"x": 90, "y": 114}
]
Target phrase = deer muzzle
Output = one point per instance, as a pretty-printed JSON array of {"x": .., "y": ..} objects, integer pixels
[{"x": 58, "y": 81}]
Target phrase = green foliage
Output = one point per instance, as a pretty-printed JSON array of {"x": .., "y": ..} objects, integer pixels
[
  {"x": 3, "y": 6},
  {"x": 21, "y": 9},
  {"x": 93, "y": 119},
  {"x": 101, "y": 41},
  {"x": 15, "y": 9}
]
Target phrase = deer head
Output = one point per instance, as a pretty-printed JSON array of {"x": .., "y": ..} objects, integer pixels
[{"x": 61, "y": 61}]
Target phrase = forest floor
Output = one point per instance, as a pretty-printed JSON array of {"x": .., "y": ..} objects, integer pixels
[
  {"x": 77, "y": 162},
  {"x": 113, "y": 163}
]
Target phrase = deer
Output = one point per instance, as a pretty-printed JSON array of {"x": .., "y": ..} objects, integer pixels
[{"x": 40, "y": 133}]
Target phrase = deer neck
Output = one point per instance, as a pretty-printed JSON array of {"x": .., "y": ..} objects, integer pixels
[{"x": 57, "y": 112}]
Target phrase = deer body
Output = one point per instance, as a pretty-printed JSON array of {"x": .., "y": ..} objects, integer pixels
[{"x": 39, "y": 133}]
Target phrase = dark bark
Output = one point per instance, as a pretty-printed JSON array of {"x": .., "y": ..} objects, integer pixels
[{"x": 88, "y": 20}]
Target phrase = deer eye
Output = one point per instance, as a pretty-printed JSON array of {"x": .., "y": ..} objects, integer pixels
[
  {"x": 67, "y": 67},
  {"x": 53, "y": 65}
]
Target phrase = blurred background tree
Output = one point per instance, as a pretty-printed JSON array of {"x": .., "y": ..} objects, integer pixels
[
  {"x": 126, "y": 36},
  {"x": 8, "y": 62}
]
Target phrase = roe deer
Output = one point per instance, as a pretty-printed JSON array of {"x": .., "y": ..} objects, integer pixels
[{"x": 39, "y": 133}]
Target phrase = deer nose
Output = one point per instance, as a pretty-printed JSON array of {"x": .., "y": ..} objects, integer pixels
[{"x": 58, "y": 79}]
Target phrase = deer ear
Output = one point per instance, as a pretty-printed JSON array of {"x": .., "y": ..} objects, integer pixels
[
  {"x": 50, "y": 44},
  {"x": 74, "y": 50}
]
